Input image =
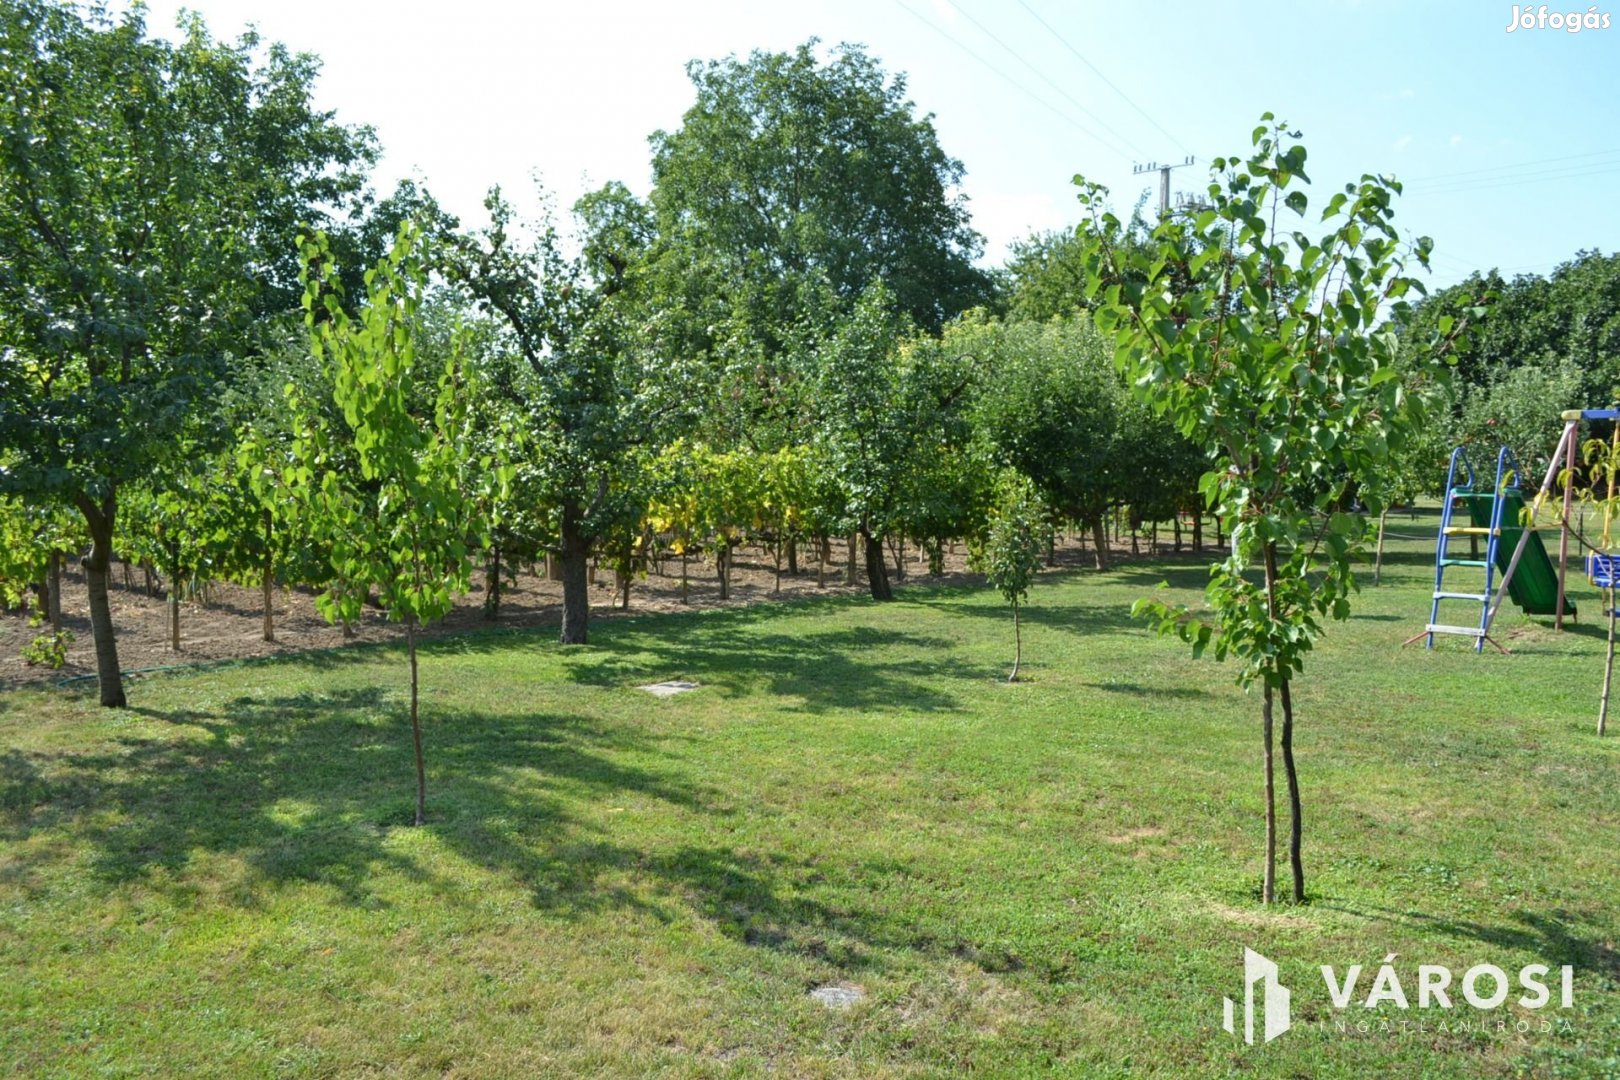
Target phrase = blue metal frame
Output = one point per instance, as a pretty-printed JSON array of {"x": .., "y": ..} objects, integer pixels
[{"x": 1506, "y": 466}]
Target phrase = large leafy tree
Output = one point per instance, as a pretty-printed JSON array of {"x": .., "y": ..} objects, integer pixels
[
  {"x": 148, "y": 197},
  {"x": 577, "y": 370},
  {"x": 794, "y": 181},
  {"x": 1052, "y": 408},
  {"x": 787, "y": 165},
  {"x": 1572, "y": 314},
  {"x": 1256, "y": 335}
]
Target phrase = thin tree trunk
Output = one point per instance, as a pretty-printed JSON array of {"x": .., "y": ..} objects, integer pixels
[
  {"x": 1175, "y": 526},
  {"x": 722, "y": 564},
  {"x": 1268, "y": 888},
  {"x": 1051, "y": 558},
  {"x": 1018, "y": 645},
  {"x": 1198, "y": 530},
  {"x": 877, "y": 571},
  {"x": 685, "y": 587},
  {"x": 777, "y": 590},
  {"x": 98, "y": 518},
  {"x": 1295, "y": 822},
  {"x": 849, "y": 573},
  {"x": 792, "y": 560},
  {"x": 416, "y": 725},
  {"x": 1608, "y": 670},
  {"x": 575, "y": 557},
  {"x": 1378, "y": 553}
]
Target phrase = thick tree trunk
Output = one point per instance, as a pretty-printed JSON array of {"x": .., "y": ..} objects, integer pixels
[
  {"x": 53, "y": 597},
  {"x": 98, "y": 518},
  {"x": 1295, "y": 822},
  {"x": 174, "y": 596},
  {"x": 849, "y": 572},
  {"x": 722, "y": 568},
  {"x": 492, "y": 584},
  {"x": 416, "y": 725},
  {"x": 1099, "y": 542},
  {"x": 1268, "y": 888},
  {"x": 877, "y": 571},
  {"x": 269, "y": 583},
  {"x": 575, "y": 558},
  {"x": 1198, "y": 530}
]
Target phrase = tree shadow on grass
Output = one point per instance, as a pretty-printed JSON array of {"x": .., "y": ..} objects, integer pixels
[
  {"x": 1135, "y": 689},
  {"x": 266, "y": 794},
  {"x": 1550, "y": 936},
  {"x": 737, "y": 653},
  {"x": 1094, "y": 619}
]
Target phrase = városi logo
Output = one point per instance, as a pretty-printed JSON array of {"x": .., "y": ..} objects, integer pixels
[{"x": 1445, "y": 1003}]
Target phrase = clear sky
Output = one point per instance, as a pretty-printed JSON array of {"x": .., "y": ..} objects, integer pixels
[{"x": 1509, "y": 143}]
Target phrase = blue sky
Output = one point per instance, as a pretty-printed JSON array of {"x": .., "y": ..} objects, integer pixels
[{"x": 1510, "y": 143}]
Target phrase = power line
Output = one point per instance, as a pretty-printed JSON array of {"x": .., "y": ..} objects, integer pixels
[
  {"x": 1020, "y": 87},
  {"x": 1016, "y": 55},
  {"x": 1095, "y": 70},
  {"x": 1495, "y": 183},
  {"x": 1506, "y": 168}
]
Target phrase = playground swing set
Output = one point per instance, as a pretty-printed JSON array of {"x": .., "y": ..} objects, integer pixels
[{"x": 1513, "y": 545}]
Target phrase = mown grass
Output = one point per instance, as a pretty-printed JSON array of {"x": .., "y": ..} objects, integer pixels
[{"x": 1055, "y": 877}]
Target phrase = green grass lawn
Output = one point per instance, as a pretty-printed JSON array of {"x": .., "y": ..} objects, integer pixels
[{"x": 1056, "y": 877}]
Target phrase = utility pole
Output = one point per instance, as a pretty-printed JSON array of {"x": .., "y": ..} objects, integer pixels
[{"x": 1164, "y": 180}]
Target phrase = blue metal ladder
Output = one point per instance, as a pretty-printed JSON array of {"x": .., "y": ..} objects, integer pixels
[{"x": 1455, "y": 493}]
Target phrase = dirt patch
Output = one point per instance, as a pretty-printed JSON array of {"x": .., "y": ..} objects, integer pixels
[
  {"x": 1130, "y": 836},
  {"x": 1261, "y": 918},
  {"x": 229, "y": 625}
]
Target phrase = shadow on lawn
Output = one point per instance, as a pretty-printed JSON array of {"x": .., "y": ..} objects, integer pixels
[
  {"x": 311, "y": 788},
  {"x": 1551, "y": 936},
  {"x": 740, "y": 652}
]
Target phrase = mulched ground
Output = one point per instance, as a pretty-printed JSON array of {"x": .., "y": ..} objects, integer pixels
[{"x": 229, "y": 625}]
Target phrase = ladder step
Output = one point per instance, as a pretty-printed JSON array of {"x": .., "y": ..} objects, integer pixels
[
  {"x": 1468, "y": 530},
  {"x": 1478, "y": 598},
  {"x": 1465, "y": 631},
  {"x": 1463, "y": 562}
]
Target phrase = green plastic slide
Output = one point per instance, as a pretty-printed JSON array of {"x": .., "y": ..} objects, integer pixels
[{"x": 1535, "y": 583}]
